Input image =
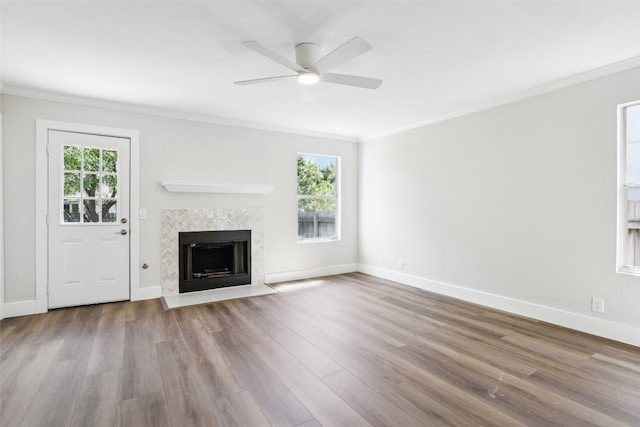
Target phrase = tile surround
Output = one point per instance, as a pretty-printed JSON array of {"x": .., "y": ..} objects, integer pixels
[{"x": 174, "y": 221}]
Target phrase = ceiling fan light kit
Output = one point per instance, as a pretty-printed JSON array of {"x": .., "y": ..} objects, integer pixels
[
  {"x": 308, "y": 77},
  {"x": 310, "y": 68}
]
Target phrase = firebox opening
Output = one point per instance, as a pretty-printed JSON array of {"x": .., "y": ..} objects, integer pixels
[{"x": 214, "y": 259}]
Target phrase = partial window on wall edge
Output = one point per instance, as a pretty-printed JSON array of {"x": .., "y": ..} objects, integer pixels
[{"x": 628, "y": 256}]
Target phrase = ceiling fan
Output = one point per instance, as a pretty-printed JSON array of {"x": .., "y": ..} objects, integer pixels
[{"x": 311, "y": 69}]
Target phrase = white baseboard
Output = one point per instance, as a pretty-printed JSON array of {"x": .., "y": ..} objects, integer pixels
[
  {"x": 20, "y": 308},
  {"x": 23, "y": 308},
  {"x": 309, "y": 274},
  {"x": 601, "y": 327},
  {"x": 148, "y": 292}
]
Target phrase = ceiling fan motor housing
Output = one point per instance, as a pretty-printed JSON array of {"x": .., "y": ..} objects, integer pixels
[{"x": 307, "y": 54}]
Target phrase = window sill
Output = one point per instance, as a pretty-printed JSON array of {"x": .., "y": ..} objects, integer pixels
[
  {"x": 307, "y": 241},
  {"x": 632, "y": 271}
]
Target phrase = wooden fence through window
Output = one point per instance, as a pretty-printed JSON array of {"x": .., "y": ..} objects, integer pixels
[{"x": 316, "y": 225}]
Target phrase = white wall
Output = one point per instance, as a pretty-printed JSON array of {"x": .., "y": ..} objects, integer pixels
[
  {"x": 174, "y": 149},
  {"x": 513, "y": 207}
]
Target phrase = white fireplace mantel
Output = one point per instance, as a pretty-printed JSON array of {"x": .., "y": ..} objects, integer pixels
[{"x": 200, "y": 187}]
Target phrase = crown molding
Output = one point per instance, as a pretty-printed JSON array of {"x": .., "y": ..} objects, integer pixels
[
  {"x": 617, "y": 67},
  {"x": 162, "y": 112}
]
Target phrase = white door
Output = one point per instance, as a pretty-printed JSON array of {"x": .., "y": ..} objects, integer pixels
[{"x": 88, "y": 229}]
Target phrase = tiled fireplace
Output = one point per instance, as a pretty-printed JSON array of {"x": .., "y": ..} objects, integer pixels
[{"x": 176, "y": 221}]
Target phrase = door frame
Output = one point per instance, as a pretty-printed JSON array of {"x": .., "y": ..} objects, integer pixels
[{"x": 42, "y": 203}]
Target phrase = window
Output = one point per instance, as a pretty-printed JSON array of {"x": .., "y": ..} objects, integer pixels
[
  {"x": 90, "y": 185},
  {"x": 629, "y": 189},
  {"x": 318, "y": 202}
]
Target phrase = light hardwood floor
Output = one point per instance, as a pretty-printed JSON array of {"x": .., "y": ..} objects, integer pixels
[{"x": 348, "y": 350}]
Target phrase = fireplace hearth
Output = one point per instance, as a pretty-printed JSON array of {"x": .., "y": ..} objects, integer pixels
[{"x": 214, "y": 259}]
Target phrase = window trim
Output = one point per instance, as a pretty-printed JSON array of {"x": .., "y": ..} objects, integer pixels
[
  {"x": 338, "y": 235},
  {"x": 622, "y": 187}
]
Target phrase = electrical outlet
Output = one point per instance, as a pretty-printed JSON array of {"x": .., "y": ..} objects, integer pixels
[
  {"x": 597, "y": 305},
  {"x": 401, "y": 264}
]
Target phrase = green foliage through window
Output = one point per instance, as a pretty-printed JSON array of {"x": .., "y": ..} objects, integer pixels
[
  {"x": 90, "y": 184},
  {"x": 316, "y": 180},
  {"x": 317, "y": 197}
]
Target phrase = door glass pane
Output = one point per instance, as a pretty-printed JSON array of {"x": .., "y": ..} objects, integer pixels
[
  {"x": 91, "y": 210},
  {"x": 90, "y": 181},
  {"x": 72, "y": 184},
  {"x": 71, "y": 209},
  {"x": 109, "y": 186},
  {"x": 91, "y": 159},
  {"x": 72, "y": 158},
  {"x": 109, "y": 210},
  {"x": 90, "y": 184},
  {"x": 110, "y": 161}
]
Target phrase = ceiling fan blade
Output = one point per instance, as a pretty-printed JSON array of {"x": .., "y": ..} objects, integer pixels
[
  {"x": 265, "y": 51},
  {"x": 354, "y": 47},
  {"x": 264, "y": 80},
  {"x": 357, "y": 81}
]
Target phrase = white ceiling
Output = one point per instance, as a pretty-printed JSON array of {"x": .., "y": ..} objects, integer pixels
[{"x": 437, "y": 58}]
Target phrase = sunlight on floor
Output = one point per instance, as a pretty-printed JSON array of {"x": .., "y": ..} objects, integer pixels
[{"x": 293, "y": 286}]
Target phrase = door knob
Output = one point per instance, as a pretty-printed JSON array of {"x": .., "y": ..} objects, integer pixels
[{"x": 123, "y": 232}]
